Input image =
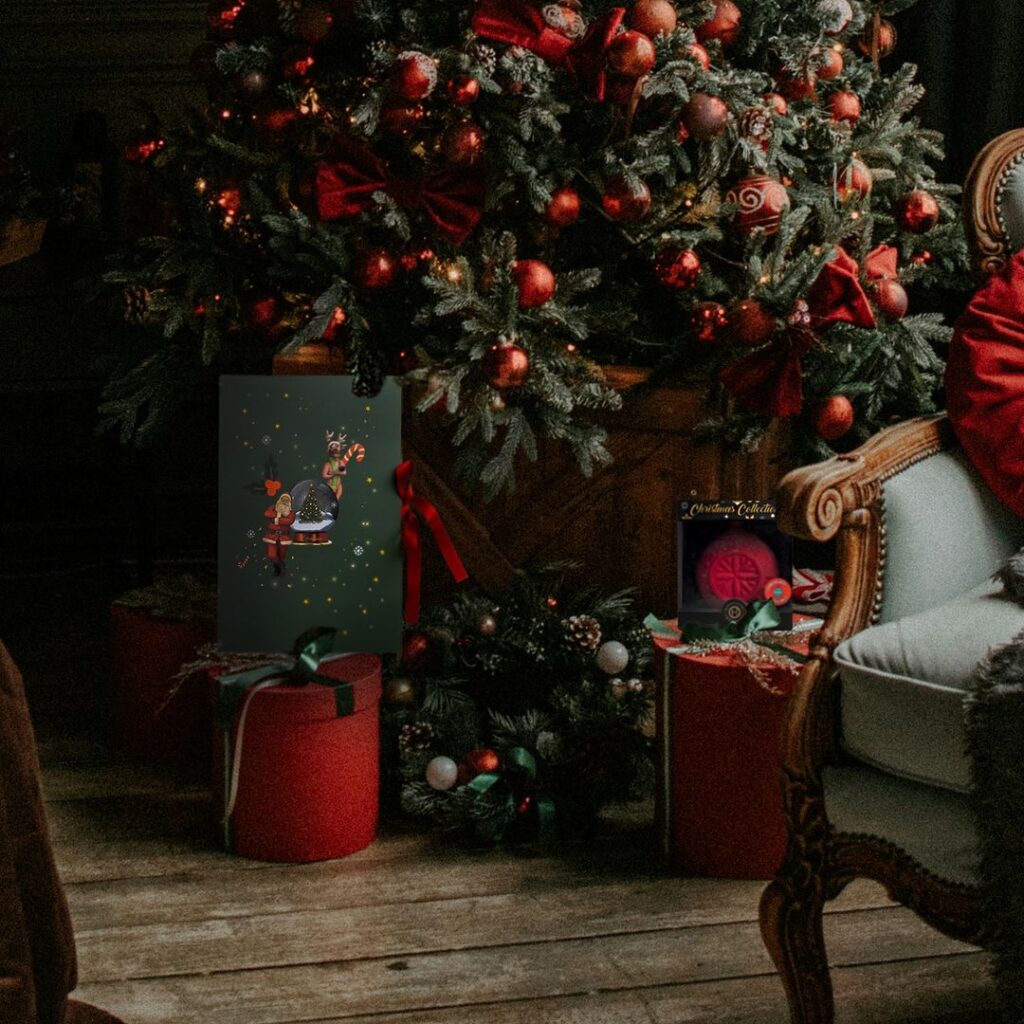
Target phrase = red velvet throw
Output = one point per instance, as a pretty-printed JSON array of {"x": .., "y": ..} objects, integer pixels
[{"x": 985, "y": 383}]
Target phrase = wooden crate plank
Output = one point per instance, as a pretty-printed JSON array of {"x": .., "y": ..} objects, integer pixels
[{"x": 621, "y": 962}]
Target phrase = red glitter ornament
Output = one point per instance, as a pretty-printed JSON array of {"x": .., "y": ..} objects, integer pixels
[
  {"x": 709, "y": 321},
  {"x": 414, "y": 75},
  {"x": 854, "y": 182},
  {"x": 631, "y": 54},
  {"x": 463, "y": 144},
  {"x": 706, "y": 117},
  {"x": 652, "y": 17},
  {"x": 623, "y": 203},
  {"x": 918, "y": 212},
  {"x": 750, "y": 324},
  {"x": 833, "y": 418},
  {"x": 535, "y": 282},
  {"x": 723, "y": 25},
  {"x": 676, "y": 267},
  {"x": 314, "y": 22},
  {"x": 845, "y": 105},
  {"x": 506, "y": 366},
  {"x": 762, "y": 201},
  {"x": 700, "y": 55},
  {"x": 564, "y": 208},
  {"x": 375, "y": 269},
  {"x": 891, "y": 298},
  {"x": 463, "y": 90}
]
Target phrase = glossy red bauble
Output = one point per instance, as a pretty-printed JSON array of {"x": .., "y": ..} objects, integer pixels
[
  {"x": 564, "y": 208},
  {"x": 676, "y": 267},
  {"x": 631, "y": 54},
  {"x": 845, "y": 105},
  {"x": 886, "y": 39},
  {"x": 463, "y": 90},
  {"x": 834, "y": 418},
  {"x": 706, "y": 117},
  {"x": 777, "y": 102},
  {"x": 831, "y": 66},
  {"x": 535, "y": 282},
  {"x": 413, "y": 75},
  {"x": 918, "y": 212},
  {"x": 375, "y": 269},
  {"x": 891, "y": 298},
  {"x": 750, "y": 324},
  {"x": 709, "y": 321},
  {"x": 297, "y": 61},
  {"x": 142, "y": 148},
  {"x": 623, "y": 203},
  {"x": 700, "y": 55},
  {"x": 723, "y": 25},
  {"x": 463, "y": 144},
  {"x": 854, "y": 181},
  {"x": 762, "y": 200},
  {"x": 506, "y": 366},
  {"x": 798, "y": 87},
  {"x": 477, "y": 762},
  {"x": 222, "y": 17},
  {"x": 652, "y": 17}
]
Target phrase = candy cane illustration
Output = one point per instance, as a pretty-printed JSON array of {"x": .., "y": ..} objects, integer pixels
[{"x": 336, "y": 465}]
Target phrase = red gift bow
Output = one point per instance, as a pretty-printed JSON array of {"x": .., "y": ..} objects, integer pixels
[
  {"x": 415, "y": 508},
  {"x": 452, "y": 200},
  {"x": 770, "y": 381},
  {"x": 519, "y": 23}
]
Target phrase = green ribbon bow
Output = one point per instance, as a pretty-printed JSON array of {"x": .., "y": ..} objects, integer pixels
[{"x": 520, "y": 777}]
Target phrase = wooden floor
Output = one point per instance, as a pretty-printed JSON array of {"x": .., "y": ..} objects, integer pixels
[{"x": 173, "y": 931}]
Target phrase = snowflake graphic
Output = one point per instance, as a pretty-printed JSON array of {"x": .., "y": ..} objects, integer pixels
[
  {"x": 265, "y": 439},
  {"x": 250, "y": 534},
  {"x": 358, "y": 550}
]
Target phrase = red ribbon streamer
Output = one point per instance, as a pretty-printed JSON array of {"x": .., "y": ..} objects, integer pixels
[
  {"x": 588, "y": 59},
  {"x": 414, "y": 509},
  {"x": 452, "y": 200}
]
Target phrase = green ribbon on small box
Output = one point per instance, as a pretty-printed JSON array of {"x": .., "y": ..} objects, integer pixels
[{"x": 520, "y": 778}]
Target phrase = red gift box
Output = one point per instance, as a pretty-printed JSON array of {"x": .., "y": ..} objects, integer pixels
[
  {"x": 719, "y": 727},
  {"x": 304, "y": 770}
]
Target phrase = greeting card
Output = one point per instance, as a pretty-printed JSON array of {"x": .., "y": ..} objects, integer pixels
[{"x": 308, "y": 515}]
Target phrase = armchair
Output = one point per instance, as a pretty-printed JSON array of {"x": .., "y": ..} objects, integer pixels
[{"x": 875, "y": 773}]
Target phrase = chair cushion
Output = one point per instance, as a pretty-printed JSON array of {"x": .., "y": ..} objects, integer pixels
[
  {"x": 903, "y": 685},
  {"x": 985, "y": 382}
]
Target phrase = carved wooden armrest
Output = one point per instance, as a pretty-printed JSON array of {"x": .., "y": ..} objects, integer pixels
[{"x": 842, "y": 499}]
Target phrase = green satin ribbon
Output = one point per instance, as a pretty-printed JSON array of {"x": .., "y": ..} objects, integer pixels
[
  {"x": 519, "y": 775},
  {"x": 760, "y": 615}
]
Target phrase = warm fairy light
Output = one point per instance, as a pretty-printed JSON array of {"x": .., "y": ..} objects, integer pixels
[
  {"x": 570, "y": 347},
  {"x": 855, "y": 215},
  {"x": 216, "y": 297},
  {"x": 225, "y": 114},
  {"x": 763, "y": 279},
  {"x": 200, "y": 185}
]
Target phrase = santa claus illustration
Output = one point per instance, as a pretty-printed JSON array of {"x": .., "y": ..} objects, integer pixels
[{"x": 278, "y": 534}]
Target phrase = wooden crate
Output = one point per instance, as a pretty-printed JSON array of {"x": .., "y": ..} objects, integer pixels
[{"x": 619, "y": 523}]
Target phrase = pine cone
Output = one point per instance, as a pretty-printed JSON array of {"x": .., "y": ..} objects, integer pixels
[
  {"x": 485, "y": 56},
  {"x": 417, "y": 736},
  {"x": 583, "y": 631},
  {"x": 135, "y": 303}
]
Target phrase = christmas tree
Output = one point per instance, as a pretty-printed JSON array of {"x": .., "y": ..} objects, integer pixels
[
  {"x": 311, "y": 512},
  {"x": 494, "y": 197}
]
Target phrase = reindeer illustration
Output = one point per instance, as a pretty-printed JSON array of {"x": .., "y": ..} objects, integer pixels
[{"x": 338, "y": 458}]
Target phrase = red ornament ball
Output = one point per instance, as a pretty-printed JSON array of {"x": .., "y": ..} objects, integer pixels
[
  {"x": 832, "y": 64},
  {"x": 631, "y": 54},
  {"x": 798, "y": 87},
  {"x": 625, "y": 204},
  {"x": 297, "y": 61},
  {"x": 463, "y": 144},
  {"x": 677, "y": 268},
  {"x": 314, "y": 22},
  {"x": 891, "y": 298},
  {"x": 845, "y": 105},
  {"x": 918, "y": 212},
  {"x": 564, "y": 208},
  {"x": 276, "y": 124},
  {"x": 833, "y": 418},
  {"x": 709, "y": 321},
  {"x": 143, "y": 148},
  {"x": 855, "y": 182},
  {"x": 222, "y": 17},
  {"x": 375, "y": 269},
  {"x": 415, "y": 648},
  {"x": 723, "y": 25},
  {"x": 262, "y": 310},
  {"x": 506, "y": 366},
  {"x": 402, "y": 119},
  {"x": 699, "y": 54},
  {"x": 477, "y": 762},
  {"x": 414, "y": 75},
  {"x": 653, "y": 17},
  {"x": 886, "y": 39},
  {"x": 762, "y": 200},
  {"x": 750, "y": 323},
  {"x": 706, "y": 117},
  {"x": 463, "y": 90},
  {"x": 535, "y": 281},
  {"x": 332, "y": 331},
  {"x": 777, "y": 102}
]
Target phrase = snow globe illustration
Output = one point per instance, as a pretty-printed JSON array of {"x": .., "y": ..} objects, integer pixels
[{"x": 316, "y": 511}]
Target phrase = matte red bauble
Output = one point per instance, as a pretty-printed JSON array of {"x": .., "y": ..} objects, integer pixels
[
  {"x": 262, "y": 310},
  {"x": 564, "y": 208},
  {"x": 700, "y": 55},
  {"x": 844, "y": 105},
  {"x": 918, "y": 212},
  {"x": 762, "y": 201},
  {"x": 706, "y": 117},
  {"x": 402, "y": 118},
  {"x": 777, "y": 102},
  {"x": 463, "y": 90},
  {"x": 854, "y": 181},
  {"x": 798, "y": 87},
  {"x": 677, "y": 268},
  {"x": 886, "y": 39},
  {"x": 314, "y": 22},
  {"x": 833, "y": 418},
  {"x": 831, "y": 66},
  {"x": 506, "y": 366},
  {"x": 891, "y": 298},
  {"x": 632, "y": 54},
  {"x": 750, "y": 324},
  {"x": 463, "y": 144},
  {"x": 222, "y": 17},
  {"x": 709, "y": 321},
  {"x": 723, "y": 25},
  {"x": 375, "y": 269},
  {"x": 652, "y": 17},
  {"x": 414, "y": 75},
  {"x": 623, "y": 203},
  {"x": 297, "y": 61},
  {"x": 535, "y": 282}
]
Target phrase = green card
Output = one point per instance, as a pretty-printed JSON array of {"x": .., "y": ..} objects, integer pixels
[{"x": 308, "y": 515}]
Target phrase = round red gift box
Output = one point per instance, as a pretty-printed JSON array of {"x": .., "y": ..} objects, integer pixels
[{"x": 307, "y": 779}]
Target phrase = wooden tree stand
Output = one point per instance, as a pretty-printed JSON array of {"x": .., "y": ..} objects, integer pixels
[{"x": 618, "y": 524}]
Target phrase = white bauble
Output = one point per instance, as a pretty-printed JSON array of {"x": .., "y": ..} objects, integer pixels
[
  {"x": 442, "y": 773},
  {"x": 835, "y": 15},
  {"x": 612, "y": 657}
]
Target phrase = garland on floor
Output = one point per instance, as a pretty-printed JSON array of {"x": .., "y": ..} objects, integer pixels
[{"x": 520, "y": 717}]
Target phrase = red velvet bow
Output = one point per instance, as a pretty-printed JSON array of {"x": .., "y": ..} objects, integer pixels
[
  {"x": 770, "y": 381},
  {"x": 837, "y": 297},
  {"x": 414, "y": 509},
  {"x": 519, "y": 23},
  {"x": 452, "y": 200}
]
